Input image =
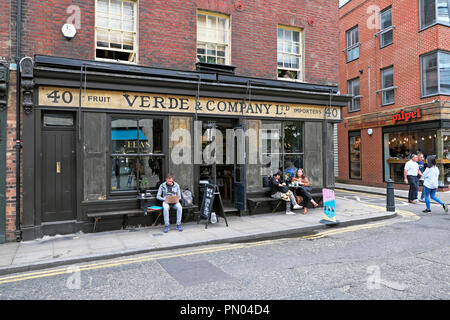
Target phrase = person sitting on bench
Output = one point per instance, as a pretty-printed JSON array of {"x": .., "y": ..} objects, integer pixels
[
  {"x": 169, "y": 193},
  {"x": 279, "y": 190},
  {"x": 304, "y": 190}
]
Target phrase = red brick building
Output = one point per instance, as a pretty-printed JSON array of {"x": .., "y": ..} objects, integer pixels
[
  {"x": 394, "y": 58},
  {"x": 159, "y": 52}
]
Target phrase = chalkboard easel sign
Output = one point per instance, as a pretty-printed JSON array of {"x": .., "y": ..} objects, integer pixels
[{"x": 212, "y": 202}]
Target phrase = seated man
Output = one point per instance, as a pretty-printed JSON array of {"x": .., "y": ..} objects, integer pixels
[
  {"x": 278, "y": 187},
  {"x": 169, "y": 189}
]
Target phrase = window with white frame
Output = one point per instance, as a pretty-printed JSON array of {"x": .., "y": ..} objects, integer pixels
[
  {"x": 352, "y": 49},
  {"x": 289, "y": 53},
  {"x": 213, "y": 38},
  {"x": 387, "y": 86},
  {"x": 115, "y": 30},
  {"x": 434, "y": 11},
  {"x": 353, "y": 89},
  {"x": 386, "y": 32}
]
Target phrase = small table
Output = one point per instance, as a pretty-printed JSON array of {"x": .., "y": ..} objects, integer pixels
[{"x": 144, "y": 200}]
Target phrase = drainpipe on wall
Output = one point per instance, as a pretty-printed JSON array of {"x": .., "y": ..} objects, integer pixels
[{"x": 18, "y": 146}]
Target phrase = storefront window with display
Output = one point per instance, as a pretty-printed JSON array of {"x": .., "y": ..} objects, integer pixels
[
  {"x": 355, "y": 155},
  {"x": 290, "y": 135},
  {"x": 399, "y": 147},
  {"x": 136, "y": 154}
]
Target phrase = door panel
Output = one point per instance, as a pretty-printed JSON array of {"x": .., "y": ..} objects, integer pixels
[
  {"x": 239, "y": 170},
  {"x": 58, "y": 175}
]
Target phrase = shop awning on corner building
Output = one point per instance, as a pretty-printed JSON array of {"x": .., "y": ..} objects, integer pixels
[{"x": 127, "y": 134}]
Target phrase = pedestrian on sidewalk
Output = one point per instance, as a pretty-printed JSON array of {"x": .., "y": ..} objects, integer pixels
[
  {"x": 279, "y": 190},
  {"x": 169, "y": 193},
  {"x": 422, "y": 169},
  {"x": 430, "y": 184},
  {"x": 411, "y": 174}
]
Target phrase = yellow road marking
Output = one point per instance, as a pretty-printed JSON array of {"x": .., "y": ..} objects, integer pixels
[
  {"x": 147, "y": 258},
  {"x": 115, "y": 263}
]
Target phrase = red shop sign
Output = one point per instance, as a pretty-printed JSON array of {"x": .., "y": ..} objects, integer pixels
[{"x": 406, "y": 116}]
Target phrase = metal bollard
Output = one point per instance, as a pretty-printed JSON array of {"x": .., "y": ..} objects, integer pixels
[{"x": 390, "y": 200}]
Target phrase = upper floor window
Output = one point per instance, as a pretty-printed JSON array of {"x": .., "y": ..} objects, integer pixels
[
  {"x": 386, "y": 32},
  {"x": 435, "y": 73},
  {"x": 213, "y": 38},
  {"x": 115, "y": 30},
  {"x": 352, "y": 49},
  {"x": 353, "y": 89},
  {"x": 387, "y": 86},
  {"x": 289, "y": 53},
  {"x": 434, "y": 11}
]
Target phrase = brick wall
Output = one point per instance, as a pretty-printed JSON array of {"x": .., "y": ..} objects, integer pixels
[
  {"x": 404, "y": 55},
  {"x": 167, "y": 39},
  {"x": 167, "y": 33}
]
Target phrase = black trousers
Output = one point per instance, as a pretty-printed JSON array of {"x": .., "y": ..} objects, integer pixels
[
  {"x": 305, "y": 194},
  {"x": 413, "y": 182}
]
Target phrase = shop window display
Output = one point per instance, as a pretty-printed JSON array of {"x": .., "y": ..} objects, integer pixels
[
  {"x": 136, "y": 154},
  {"x": 400, "y": 147}
]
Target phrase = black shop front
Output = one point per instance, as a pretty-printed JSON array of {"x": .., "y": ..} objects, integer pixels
[{"x": 99, "y": 134}]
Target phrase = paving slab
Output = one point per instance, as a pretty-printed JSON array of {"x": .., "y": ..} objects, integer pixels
[{"x": 82, "y": 247}]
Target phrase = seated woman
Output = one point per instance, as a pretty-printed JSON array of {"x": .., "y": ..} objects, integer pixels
[{"x": 301, "y": 179}]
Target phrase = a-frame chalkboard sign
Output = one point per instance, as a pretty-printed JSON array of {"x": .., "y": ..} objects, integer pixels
[{"x": 212, "y": 202}]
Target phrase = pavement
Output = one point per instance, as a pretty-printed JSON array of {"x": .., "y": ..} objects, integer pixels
[
  {"x": 443, "y": 195},
  {"x": 51, "y": 251}
]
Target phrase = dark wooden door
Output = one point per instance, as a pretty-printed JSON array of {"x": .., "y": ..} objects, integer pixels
[{"x": 58, "y": 174}]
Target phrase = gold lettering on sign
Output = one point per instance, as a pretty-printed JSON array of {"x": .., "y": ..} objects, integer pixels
[{"x": 121, "y": 100}]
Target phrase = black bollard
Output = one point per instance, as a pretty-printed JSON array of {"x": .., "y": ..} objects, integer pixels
[{"x": 390, "y": 198}]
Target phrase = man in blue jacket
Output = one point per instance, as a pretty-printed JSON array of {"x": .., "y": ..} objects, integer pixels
[{"x": 170, "y": 188}]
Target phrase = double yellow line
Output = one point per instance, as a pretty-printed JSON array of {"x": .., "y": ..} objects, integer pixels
[
  {"x": 109, "y": 264},
  {"x": 146, "y": 258}
]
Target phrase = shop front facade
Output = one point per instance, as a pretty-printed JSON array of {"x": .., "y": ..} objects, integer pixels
[
  {"x": 380, "y": 144},
  {"x": 96, "y": 139}
]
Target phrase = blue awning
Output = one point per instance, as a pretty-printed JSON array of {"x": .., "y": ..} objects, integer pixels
[{"x": 127, "y": 134}]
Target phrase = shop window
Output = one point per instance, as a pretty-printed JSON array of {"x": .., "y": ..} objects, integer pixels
[
  {"x": 401, "y": 145},
  {"x": 355, "y": 156},
  {"x": 115, "y": 30},
  {"x": 352, "y": 37},
  {"x": 137, "y": 158},
  {"x": 386, "y": 32},
  {"x": 444, "y": 177},
  {"x": 288, "y": 159},
  {"x": 213, "y": 38},
  {"x": 435, "y": 73},
  {"x": 289, "y": 53}
]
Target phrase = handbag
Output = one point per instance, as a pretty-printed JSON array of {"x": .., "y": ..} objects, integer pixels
[{"x": 286, "y": 196}]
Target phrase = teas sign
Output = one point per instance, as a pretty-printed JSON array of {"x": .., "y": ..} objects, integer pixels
[{"x": 406, "y": 116}]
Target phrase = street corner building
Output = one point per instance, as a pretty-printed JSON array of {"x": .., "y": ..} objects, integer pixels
[
  {"x": 102, "y": 99},
  {"x": 394, "y": 59}
]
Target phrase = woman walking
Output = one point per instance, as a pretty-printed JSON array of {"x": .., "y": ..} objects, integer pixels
[
  {"x": 430, "y": 184},
  {"x": 304, "y": 190}
]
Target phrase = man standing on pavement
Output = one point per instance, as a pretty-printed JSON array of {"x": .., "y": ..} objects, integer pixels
[
  {"x": 411, "y": 174},
  {"x": 167, "y": 190},
  {"x": 422, "y": 169}
]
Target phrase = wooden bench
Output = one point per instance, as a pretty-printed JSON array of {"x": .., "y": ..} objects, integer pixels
[
  {"x": 160, "y": 212},
  {"x": 123, "y": 213},
  {"x": 256, "y": 199},
  {"x": 127, "y": 213}
]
